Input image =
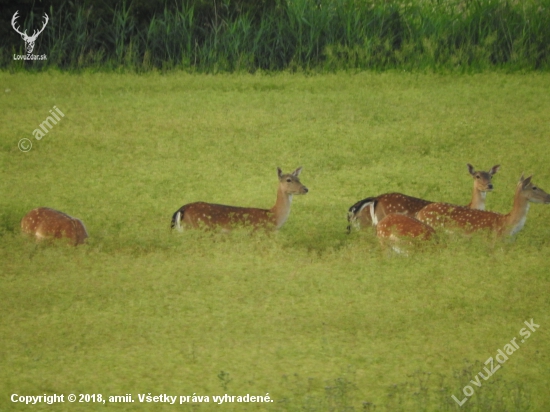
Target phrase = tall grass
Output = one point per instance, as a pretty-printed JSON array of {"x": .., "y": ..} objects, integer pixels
[{"x": 321, "y": 35}]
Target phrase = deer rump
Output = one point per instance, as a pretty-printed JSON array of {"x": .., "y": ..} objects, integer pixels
[
  {"x": 44, "y": 223},
  {"x": 383, "y": 205}
]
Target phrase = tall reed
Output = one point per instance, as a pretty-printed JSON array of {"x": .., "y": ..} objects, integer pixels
[{"x": 322, "y": 35}]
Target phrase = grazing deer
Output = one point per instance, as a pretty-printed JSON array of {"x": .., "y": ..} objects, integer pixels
[
  {"x": 369, "y": 211},
  {"x": 44, "y": 222},
  {"x": 394, "y": 227},
  {"x": 443, "y": 214},
  {"x": 201, "y": 214}
]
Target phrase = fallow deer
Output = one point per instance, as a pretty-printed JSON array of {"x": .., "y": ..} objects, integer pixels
[
  {"x": 394, "y": 225},
  {"x": 482, "y": 185},
  {"x": 44, "y": 223},
  {"x": 397, "y": 230},
  {"x": 369, "y": 211},
  {"x": 209, "y": 215},
  {"x": 470, "y": 220}
]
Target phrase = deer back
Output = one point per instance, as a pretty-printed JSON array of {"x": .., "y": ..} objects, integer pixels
[
  {"x": 395, "y": 225},
  {"x": 470, "y": 220},
  {"x": 210, "y": 215},
  {"x": 370, "y": 211},
  {"x": 44, "y": 223}
]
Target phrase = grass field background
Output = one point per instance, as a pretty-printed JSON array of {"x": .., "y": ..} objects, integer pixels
[{"x": 320, "y": 320}]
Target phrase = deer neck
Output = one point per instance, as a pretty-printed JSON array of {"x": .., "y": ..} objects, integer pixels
[
  {"x": 478, "y": 200},
  {"x": 515, "y": 220},
  {"x": 281, "y": 210}
]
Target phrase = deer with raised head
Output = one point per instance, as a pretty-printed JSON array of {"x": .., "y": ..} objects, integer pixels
[
  {"x": 482, "y": 185},
  {"x": 44, "y": 223},
  {"x": 29, "y": 40},
  {"x": 210, "y": 215},
  {"x": 369, "y": 211},
  {"x": 470, "y": 220}
]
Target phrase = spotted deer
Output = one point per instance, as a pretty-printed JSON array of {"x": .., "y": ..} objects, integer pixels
[
  {"x": 395, "y": 229},
  {"x": 44, "y": 223},
  {"x": 369, "y": 211},
  {"x": 470, "y": 220},
  {"x": 482, "y": 185},
  {"x": 210, "y": 215}
]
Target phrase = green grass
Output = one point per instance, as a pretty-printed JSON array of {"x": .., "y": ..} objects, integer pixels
[{"x": 320, "y": 320}]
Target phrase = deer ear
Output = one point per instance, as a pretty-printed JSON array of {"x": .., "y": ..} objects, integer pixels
[
  {"x": 471, "y": 169},
  {"x": 297, "y": 172},
  {"x": 526, "y": 181},
  {"x": 494, "y": 169},
  {"x": 279, "y": 172}
]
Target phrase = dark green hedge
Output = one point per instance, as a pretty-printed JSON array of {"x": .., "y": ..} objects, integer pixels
[{"x": 248, "y": 35}]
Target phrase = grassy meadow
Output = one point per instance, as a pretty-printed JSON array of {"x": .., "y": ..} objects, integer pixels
[{"x": 318, "y": 319}]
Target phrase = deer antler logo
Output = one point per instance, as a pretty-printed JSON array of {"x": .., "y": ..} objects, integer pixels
[{"x": 29, "y": 40}]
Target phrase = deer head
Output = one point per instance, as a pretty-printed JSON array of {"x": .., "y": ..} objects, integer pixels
[
  {"x": 29, "y": 40},
  {"x": 482, "y": 180},
  {"x": 531, "y": 192}
]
